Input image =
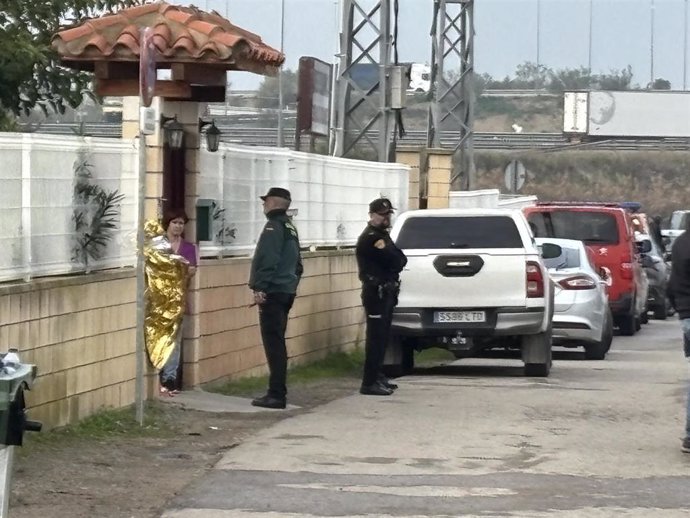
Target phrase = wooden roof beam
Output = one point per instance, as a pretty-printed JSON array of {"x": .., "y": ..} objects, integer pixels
[{"x": 199, "y": 74}]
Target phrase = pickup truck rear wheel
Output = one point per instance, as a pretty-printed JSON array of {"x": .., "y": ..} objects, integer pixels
[
  {"x": 399, "y": 359},
  {"x": 536, "y": 353},
  {"x": 537, "y": 370},
  {"x": 407, "y": 363}
]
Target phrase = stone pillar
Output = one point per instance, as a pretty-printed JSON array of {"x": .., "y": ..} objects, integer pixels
[
  {"x": 439, "y": 174},
  {"x": 188, "y": 115},
  {"x": 411, "y": 156}
]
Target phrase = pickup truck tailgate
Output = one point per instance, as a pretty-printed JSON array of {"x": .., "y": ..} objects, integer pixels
[{"x": 463, "y": 279}]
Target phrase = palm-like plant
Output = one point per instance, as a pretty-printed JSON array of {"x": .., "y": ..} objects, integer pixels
[{"x": 96, "y": 214}]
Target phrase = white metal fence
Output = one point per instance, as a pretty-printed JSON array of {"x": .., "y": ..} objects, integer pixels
[
  {"x": 330, "y": 196},
  {"x": 39, "y": 208},
  {"x": 40, "y": 202}
]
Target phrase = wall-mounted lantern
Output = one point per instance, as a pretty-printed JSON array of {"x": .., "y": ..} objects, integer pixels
[
  {"x": 212, "y": 135},
  {"x": 173, "y": 131}
]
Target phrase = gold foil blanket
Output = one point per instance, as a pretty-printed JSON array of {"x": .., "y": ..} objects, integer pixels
[{"x": 166, "y": 280}]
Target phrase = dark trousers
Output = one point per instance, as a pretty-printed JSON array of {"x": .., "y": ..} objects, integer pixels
[
  {"x": 378, "y": 305},
  {"x": 273, "y": 319}
]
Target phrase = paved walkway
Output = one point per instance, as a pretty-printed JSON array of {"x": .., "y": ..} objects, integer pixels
[{"x": 476, "y": 438}]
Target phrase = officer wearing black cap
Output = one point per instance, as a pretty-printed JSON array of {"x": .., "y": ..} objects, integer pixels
[
  {"x": 380, "y": 263},
  {"x": 275, "y": 272}
]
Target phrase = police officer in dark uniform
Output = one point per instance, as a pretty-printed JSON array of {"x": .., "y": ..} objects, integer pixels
[
  {"x": 380, "y": 263},
  {"x": 275, "y": 273}
]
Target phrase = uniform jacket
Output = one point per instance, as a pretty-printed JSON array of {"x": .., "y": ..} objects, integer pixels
[
  {"x": 378, "y": 258},
  {"x": 679, "y": 283},
  {"x": 277, "y": 263}
]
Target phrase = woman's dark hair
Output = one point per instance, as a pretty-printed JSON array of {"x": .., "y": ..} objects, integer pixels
[{"x": 172, "y": 214}]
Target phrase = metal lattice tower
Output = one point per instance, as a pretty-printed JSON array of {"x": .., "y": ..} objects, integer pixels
[
  {"x": 365, "y": 45},
  {"x": 452, "y": 78}
]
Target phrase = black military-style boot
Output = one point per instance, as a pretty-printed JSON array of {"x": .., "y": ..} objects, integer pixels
[
  {"x": 269, "y": 402},
  {"x": 375, "y": 389}
]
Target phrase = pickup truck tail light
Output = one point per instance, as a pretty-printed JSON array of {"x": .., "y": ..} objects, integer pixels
[
  {"x": 626, "y": 267},
  {"x": 578, "y": 282},
  {"x": 535, "y": 280}
]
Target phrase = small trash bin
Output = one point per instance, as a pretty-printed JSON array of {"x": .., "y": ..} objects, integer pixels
[{"x": 15, "y": 378}]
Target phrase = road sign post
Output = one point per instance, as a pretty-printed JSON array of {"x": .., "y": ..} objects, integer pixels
[
  {"x": 147, "y": 82},
  {"x": 514, "y": 176}
]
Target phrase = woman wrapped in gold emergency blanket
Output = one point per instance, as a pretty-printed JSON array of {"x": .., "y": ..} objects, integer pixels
[{"x": 166, "y": 282}]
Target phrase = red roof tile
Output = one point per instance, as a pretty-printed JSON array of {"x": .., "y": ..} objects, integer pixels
[{"x": 182, "y": 35}]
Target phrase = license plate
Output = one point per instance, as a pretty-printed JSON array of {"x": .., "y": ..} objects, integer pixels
[{"x": 442, "y": 317}]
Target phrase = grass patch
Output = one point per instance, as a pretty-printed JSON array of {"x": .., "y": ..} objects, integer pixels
[
  {"x": 335, "y": 365},
  {"x": 107, "y": 424},
  {"x": 433, "y": 355}
]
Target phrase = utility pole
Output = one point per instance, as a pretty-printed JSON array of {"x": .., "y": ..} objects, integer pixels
[
  {"x": 589, "y": 54},
  {"x": 452, "y": 105},
  {"x": 685, "y": 46},
  {"x": 281, "y": 140},
  {"x": 538, "y": 42},
  {"x": 651, "y": 44},
  {"x": 365, "y": 58},
  {"x": 334, "y": 78}
]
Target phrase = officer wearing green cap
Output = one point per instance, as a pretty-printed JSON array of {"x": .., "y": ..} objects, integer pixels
[
  {"x": 275, "y": 273},
  {"x": 380, "y": 263}
]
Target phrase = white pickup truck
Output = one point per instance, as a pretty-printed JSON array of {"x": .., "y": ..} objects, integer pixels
[{"x": 474, "y": 280}]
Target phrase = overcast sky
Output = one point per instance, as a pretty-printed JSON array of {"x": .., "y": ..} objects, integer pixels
[{"x": 506, "y": 33}]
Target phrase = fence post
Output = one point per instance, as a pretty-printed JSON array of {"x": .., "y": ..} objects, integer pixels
[
  {"x": 225, "y": 207},
  {"x": 25, "y": 228}
]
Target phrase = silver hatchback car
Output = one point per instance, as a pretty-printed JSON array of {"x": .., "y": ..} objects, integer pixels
[{"x": 582, "y": 317}]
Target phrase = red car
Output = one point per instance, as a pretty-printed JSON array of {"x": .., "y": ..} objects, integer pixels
[{"x": 607, "y": 229}]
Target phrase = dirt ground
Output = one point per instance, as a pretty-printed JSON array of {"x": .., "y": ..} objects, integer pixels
[{"x": 134, "y": 476}]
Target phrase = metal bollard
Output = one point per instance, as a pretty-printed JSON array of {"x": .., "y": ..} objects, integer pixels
[{"x": 15, "y": 378}]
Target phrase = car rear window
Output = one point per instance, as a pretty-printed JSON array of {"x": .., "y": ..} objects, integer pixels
[
  {"x": 589, "y": 226},
  {"x": 678, "y": 220},
  {"x": 569, "y": 258},
  {"x": 459, "y": 232}
]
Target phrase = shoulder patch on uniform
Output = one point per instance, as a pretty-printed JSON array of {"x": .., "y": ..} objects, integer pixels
[
  {"x": 291, "y": 228},
  {"x": 380, "y": 244}
]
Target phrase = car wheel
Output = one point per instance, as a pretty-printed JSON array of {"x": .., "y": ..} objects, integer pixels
[
  {"x": 670, "y": 310},
  {"x": 660, "y": 312},
  {"x": 638, "y": 323},
  {"x": 595, "y": 351},
  {"x": 626, "y": 325},
  {"x": 598, "y": 350}
]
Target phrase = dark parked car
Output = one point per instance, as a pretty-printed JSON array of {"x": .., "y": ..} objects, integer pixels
[{"x": 658, "y": 272}]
